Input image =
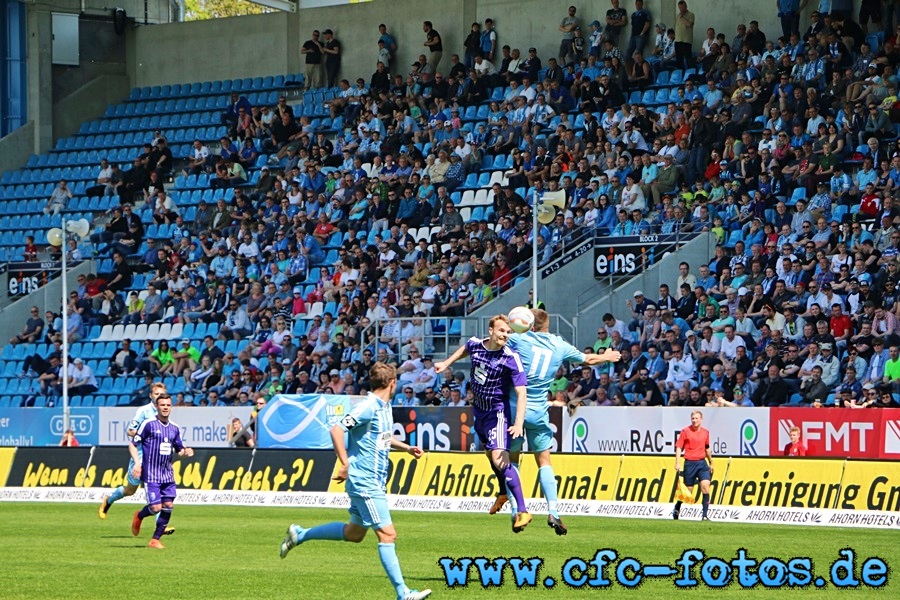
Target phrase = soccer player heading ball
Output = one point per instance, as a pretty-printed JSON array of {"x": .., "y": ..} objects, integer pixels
[
  {"x": 541, "y": 354},
  {"x": 496, "y": 372}
]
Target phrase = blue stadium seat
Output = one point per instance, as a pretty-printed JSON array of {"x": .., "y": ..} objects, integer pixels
[
  {"x": 799, "y": 194},
  {"x": 733, "y": 238},
  {"x": 662, "y": 78}
]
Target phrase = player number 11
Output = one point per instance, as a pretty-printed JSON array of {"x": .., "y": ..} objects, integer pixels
[{"x": 540, "y": 362}]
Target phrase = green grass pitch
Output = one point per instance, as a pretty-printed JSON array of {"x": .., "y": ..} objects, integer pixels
[{"x": 63, "y": 551}]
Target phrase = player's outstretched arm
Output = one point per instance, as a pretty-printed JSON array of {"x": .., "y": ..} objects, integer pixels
[
  {"x": 607, "y": 356},
  {"x": 413, "y": 450},
  {"x": 337, "y": 438},
  {"x": 442, "y": 366}
]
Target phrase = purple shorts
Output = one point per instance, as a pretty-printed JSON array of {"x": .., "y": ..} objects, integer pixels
[
  {"x": 491, "y": 427},
  {"x": 160, "y": 492}
]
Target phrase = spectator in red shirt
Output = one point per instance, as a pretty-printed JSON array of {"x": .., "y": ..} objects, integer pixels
[
  {"x": 502, "y": 274},
  {"x": 68, "y": 439},
  {"x": 31, "y": 250},
  {"x": 298, "y": 306},
  {"x": 870, "y": 203},
  {"x": 796, "y": 447},
  {"x": 841, "y": 326},
  {"x": 324, "y": 229}
]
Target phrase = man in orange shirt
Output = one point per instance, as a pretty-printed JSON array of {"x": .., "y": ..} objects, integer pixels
[{"x": 693, "y": 444}]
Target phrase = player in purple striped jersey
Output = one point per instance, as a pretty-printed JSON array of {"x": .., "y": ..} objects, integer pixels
[
  {"x": 157, "y": 438},
  {"x": 495, "y": 370}
]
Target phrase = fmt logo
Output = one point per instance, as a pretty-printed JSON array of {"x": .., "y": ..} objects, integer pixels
[{"x": 831, "y": 437}]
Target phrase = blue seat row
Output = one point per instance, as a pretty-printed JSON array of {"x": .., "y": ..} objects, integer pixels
[{"x": 205, "y": 88}]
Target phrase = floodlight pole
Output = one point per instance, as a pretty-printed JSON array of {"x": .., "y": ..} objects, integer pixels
[
  {"x": 534, "y": 249},
  {"x": 65, "y": 332}
]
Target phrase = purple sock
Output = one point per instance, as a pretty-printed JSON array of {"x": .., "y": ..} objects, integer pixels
[
  {"x": 515, "y": 487},
  {"x": 163, "y": 520},
  {"x": 145, "y": 512}
]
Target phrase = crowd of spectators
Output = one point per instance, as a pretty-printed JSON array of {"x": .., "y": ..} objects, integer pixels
[{"x": 780, "y": 146}]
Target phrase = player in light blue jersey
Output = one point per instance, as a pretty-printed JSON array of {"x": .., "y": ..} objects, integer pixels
[
  {"x": 365, "y": 462},
  {"x": 144, "y": 413},
  {"x": 542, "y": 354}
]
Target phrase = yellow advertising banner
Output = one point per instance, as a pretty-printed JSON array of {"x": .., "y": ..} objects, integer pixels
[
  {"x": 870, "y": 486},
  {"x": 6, "y": 460},
  {"x": 653, "y": 479},
  {"x": 404, "y": 474},
  {"x": 578, "y": 476},
  {"x": 785, "y": 483},
  {"x": 456, "y": 474}
]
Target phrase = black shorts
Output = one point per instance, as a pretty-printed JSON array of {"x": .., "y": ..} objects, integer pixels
[{"x": 695, "y": 471}]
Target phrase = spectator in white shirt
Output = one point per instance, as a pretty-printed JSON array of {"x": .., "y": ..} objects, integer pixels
[
  {"x": 81, "y": 379},
  {"x": 730, "y": 344},
  {"x": 681, "y": 371}
]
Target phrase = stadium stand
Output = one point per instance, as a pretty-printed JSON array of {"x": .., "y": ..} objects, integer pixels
[{"x": 356, "y": 222}]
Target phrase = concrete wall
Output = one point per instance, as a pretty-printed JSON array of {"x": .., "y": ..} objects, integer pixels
[
  {"x": 207, "y": 50},
  {"x": 87, "y": 103},
  {"x": 102, "y": 54},
  {"x": 270, "y": 44},
  {"x": 696, "y": 252},
  {"x": 17, "y": 147}
]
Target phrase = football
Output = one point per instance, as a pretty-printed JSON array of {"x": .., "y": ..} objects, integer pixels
[{"x": 521, "y": 319}]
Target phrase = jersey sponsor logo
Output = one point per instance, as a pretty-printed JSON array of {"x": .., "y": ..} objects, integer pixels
[{"x": 349, "y": 421}]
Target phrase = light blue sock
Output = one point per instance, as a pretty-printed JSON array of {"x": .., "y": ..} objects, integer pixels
[
  {"x": 513, "y": 506},
  {"x": 117, "y": 494},
  {"x": 329, "y": 531},
  {"x": 548, "y": 486},
  {"x": 391, "y": 564}
]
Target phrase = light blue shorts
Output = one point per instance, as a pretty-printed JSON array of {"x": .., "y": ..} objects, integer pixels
[
  {"x": 129, "y": 476},
  {"x": 537, "y": 432},
  {"x": 369, "y": 512}
]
